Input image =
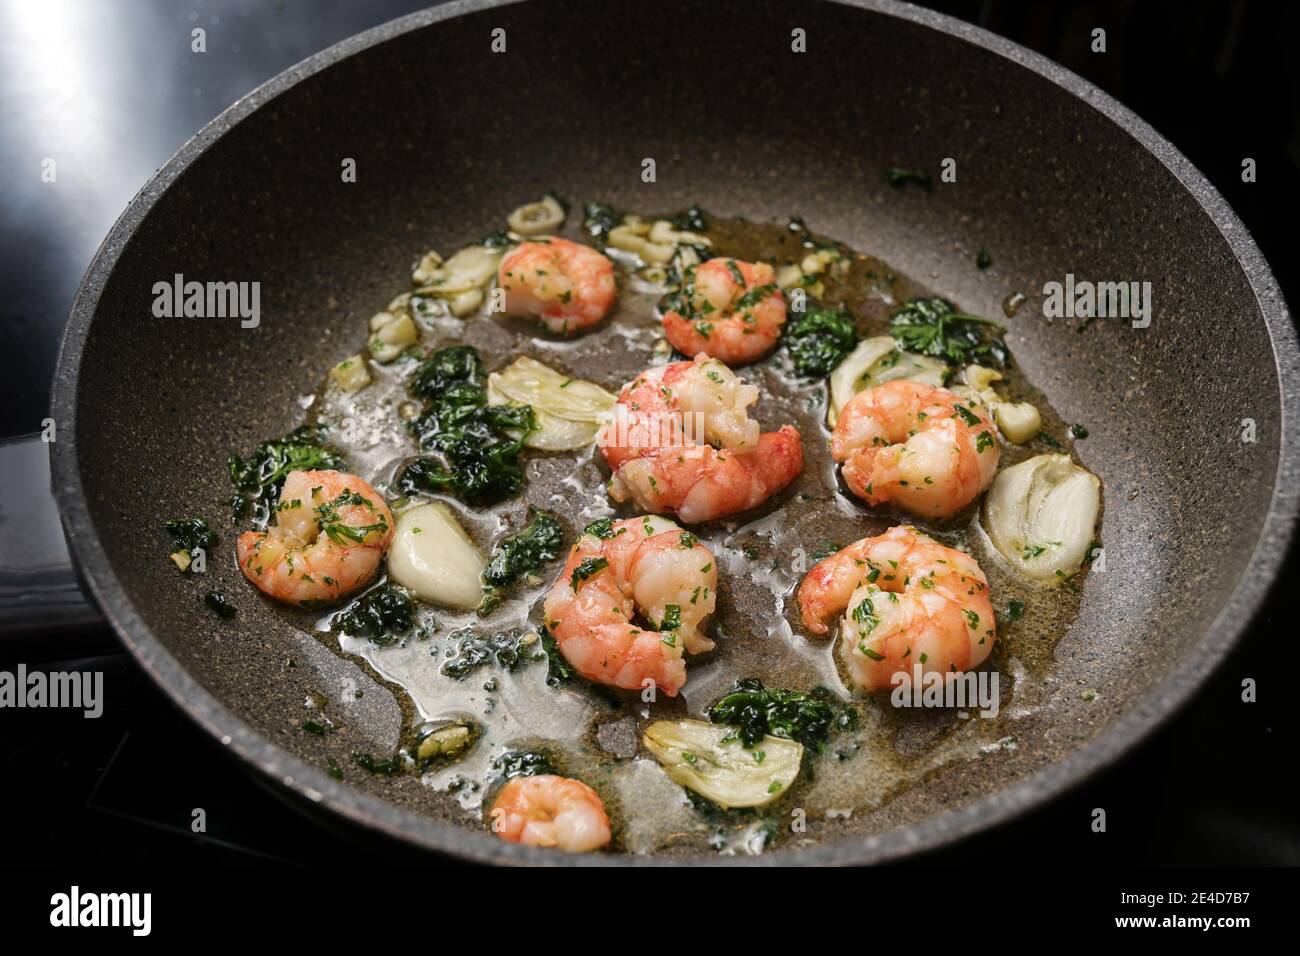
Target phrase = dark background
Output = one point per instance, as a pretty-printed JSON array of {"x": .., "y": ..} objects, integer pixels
[{"x": 110, "y": 90}]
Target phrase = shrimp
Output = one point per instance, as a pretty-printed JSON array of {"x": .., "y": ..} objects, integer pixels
[
  {"x": 617, "y": 570},
  {"x": 906, "y": 601},
  {"x": 695, "y": 402},
  {"x": 330, "y": 533},
  {"x": 922, "y": 447},
  {"x": 702, "y": 483},
  {"x": 550, "y": 811},
  {"x": 661, "y": 441},
  {"x": 730, "y": 308},
  {"x": 564, "y": 285}
]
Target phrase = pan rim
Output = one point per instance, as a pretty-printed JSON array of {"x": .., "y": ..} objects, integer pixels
[{"x": 1123, "y": 735}]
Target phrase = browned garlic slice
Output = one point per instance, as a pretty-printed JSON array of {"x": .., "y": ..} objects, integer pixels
[
  {"x": 711, "y": 760},
  {"x": 1041, "y": 515}
]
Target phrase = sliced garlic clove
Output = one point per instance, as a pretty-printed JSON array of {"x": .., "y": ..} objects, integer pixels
[
  {"x": 537, "y": 218},
  {"x": 463, "y": 303},
  {"x": 529, "y": 382},
  {"x": 434, "y": 558},
  {"x": 699, "y": 756},
  {"x": 1018, "y": 422},
  {"x": 627, "y": 238},
  {"x": 980, "y": 377},
  {"x": 380, "y": 319},
  {"x": 815, "y": 263},
  {"x": 468, "y": 269},
  {"x": 635, "y": 225},
  {"x": 1041, "y": 515},
  {"x": 393, "y": 337},
  {"x": 552, "y": 433},
  {"x": 351, "y": 374},
  {"x": 663, "y": 232},
  {"x": 657, "y": 253},
  {"x": 445, "y": 741},
  {"x": 428, "y": 265},
  {"x": 789, "y": 276}
]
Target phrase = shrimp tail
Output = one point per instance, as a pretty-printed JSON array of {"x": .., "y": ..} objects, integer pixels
[{"x": 825, "y": 590}]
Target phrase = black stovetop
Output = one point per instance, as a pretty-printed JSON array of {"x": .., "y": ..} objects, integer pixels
[{"x": 111, "y": 90}]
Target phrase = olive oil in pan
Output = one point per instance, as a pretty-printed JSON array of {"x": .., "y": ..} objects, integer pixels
[{"x": 595, "y": 734}]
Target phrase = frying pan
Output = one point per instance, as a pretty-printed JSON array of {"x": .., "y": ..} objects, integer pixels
[{"x": 1052, "y": 176}]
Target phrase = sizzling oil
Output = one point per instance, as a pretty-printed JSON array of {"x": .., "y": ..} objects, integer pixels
[{"x": 595, "y": 735}]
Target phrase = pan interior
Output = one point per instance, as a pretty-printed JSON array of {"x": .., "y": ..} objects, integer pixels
[{"x": 447, "y": 135}]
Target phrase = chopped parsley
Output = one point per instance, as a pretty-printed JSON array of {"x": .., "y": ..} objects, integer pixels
[
  {"x": 756, "y": 711},
  {"x": 586, "y": 569},
  {"x": 865, "y": 615},
  {"x": 899, "y": 177},
  {"x": 819, "y": 339},
  {"x": 259, "y": 477},
  {"x": 189, "y": 536},
  {"x": 691, "y": 219},
  {"x": 521, "y": 554},
  {"x": 219, "y": 604},
  {"x": 475, "y": 650},
  {"x": 382, "y": 615},
  {"x": 474, "y": 446},
  {"x": 599, "y": 219},
  {"x": 931, "y": 326}
]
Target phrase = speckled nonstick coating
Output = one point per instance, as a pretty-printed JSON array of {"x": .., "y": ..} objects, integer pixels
[{"x": 1054, "y": 177}]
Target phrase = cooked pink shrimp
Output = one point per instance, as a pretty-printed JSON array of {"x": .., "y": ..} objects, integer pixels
[
  {"x": 702, "y": 483},
  {"x": 684, "y": 403},
  {"x": 550, "y": 811},
  {"x": 564, "y": 285},
  {"x": 924, "y": 448},
  {"x": 906, "y": 601},
  {"x": 662, "y": 437},
  {"x": 644, "y": 566},
  {"x": 732, "y": 309},
  {"x": 330, "y": 533}
]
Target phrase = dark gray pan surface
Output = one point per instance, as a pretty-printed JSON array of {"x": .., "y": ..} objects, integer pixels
[{"x": 1053, "y": 177}]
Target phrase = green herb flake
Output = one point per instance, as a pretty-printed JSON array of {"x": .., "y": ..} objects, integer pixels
[
  {"x": 471, "y": 448},
  {"x": 541, "y": 541},
  {"x": 898, "y": 177},
  {"x": 586, "y": 569},
  {"x": 819, "y": 339},
  {"x": 220, "y": 605},
  {"x": 382, "y": 615},
  {"x": 757, "y": 711},
  {"x": 259, "y": 477},
  {"x": 931, "y": 326}
]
